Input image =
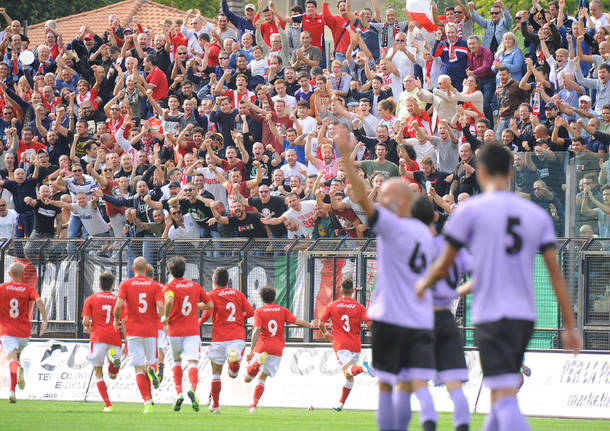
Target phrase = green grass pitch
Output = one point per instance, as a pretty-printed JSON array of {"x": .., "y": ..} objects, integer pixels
[{"x": 65, "y": 416}]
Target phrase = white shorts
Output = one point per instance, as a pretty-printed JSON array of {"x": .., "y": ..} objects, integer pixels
[
  {"x": 9, "y": 343},
  {"x": 219, "y": 351},
  {"x": 186, "y": 348},
  {"x": 345, "y": 356},
  {"x": 99, "y": 351},
  {"x": 271, "y": 365},
  {"x": 162, "y": 342},
  {"x": 141, "y": 351}
]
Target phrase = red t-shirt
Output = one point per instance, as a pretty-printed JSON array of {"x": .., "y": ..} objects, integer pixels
[
  {"x": 214, "y": 49},
  {"x": 236, "y": 96},
  {"x": 231, "y": 308},
  {"x": 345, "y": 315},
  {"x": 159, "y": 80},
  {"x": 141, "y": 295},
  {"x": 183, "y": 318},
  {"x": 15, "y": 299},
  {"x": 315, "y": 26},
  {"x": 271, "y": 319},
  {"x": 337, "y": 23},
  {"x": 29, "y": 150},
  {"x": 99, "y": 308},
  {"x": 226, "y": 166},
  {"x": 113, "y": 189}
]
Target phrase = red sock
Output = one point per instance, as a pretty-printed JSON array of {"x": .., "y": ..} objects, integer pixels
[
  {"x": 354, "y": 370},
  {"x": 253, "y": 369},
  {"x": 13, "y": 366},
  {"x": 178, "y": 378},
  {"x": 101, "y": 387},
  {"x": 194, "y": 376},
  {"x": 258, "y": 392},
  {"x": 216, "y": 386},
  {"x": 112, "y": 372},
  {"x": 143, "y": 385},
  {"x": 347, "y": 388}
]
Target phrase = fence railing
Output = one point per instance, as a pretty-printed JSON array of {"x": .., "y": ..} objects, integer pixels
[{"x": 305, "y": 273}]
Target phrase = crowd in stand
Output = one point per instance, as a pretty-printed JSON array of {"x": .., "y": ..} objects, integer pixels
[{"x": 192, "y": 130}]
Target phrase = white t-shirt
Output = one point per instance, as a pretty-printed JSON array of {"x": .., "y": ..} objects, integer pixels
[
  {"x": 308, "y": 124},
  {"x": 304, "y": 218},
  {"x": 190, "y": 230},
  {"x": 289, "y": 100},
  {"x": 258, "y": 67},
  {"x": 91, "y": 219},
  {"x": 7, "y": 224},
  {"x": 212, "y": 185},
  {"x": 357, "y": 208},
  {"x": 394, "y": 82},
  {"x": 403, "y": 64},
  {"x": 422, "y": 150},
  {"x": 293, "y": 171}
]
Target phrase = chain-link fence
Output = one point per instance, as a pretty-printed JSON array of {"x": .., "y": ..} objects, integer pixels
[{"x": 306, "y": 275}]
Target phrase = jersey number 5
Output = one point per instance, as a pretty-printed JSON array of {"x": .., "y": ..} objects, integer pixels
[{"x": 510, "y": 229}]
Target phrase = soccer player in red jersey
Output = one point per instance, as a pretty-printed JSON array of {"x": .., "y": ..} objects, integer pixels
[
  {"x": 156, "y": 371},
  {"x": 182, "y": 300},
  {"x": 105, "y": 340},
  {"x": 144, "y": 299},
  {"x": 15, "y": 325},
  {"x": 268, "y": 341},
  {"x": 231, "y": 309},
  {"x": 345, "y": 315}
]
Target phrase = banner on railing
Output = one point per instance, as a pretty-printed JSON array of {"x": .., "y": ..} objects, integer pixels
[{"x": 560, "y": 384}]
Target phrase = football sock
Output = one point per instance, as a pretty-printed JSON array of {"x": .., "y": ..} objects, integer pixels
[
  {"x": 112, "y": 371},
  {"x": 103, "y": 390},
  {"x": 461, "y": 412},
  {"x": 354, "y": 370},
  {"x": 193, "y": 376},
  {"x": 427, "y": 412},
  {"x": 509, "y": 416},
  {"x": 491, "y": 420},
  {"x": 143, "y": 385},
  {"x": 253, "y": 369},
  {"x": 178, "y": 377},
  {"x": 13, "y": 366},
  {"x": 385, "y": 412},
  {"x": 216, "y": 386},
  {"x": 401, "y": 401},
  {"x": 347, "y": 388},
  {"x": 234, "y": 368},
  {"x": 258, "y": 392}
]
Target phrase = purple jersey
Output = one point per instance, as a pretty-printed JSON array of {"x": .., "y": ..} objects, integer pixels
[
  {"x": 444, "y": 291},
  {"x": 503, "y": 232},
  {"x": 405, "y": 249}
]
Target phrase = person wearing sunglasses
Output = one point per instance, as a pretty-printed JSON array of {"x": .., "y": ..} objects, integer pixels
[{"x": 501, "y": 21}]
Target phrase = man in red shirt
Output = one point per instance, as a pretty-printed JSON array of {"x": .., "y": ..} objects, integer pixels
[
  {"x": 231, "y": 310},
  {"x": 311, "y": 21},
  {"x": 156, "y": 79},
  {"x": 104, "y": 339},
  {"x": 345, "y": 315},
  {"x": 339, "y": 26},
  {"x": 27, "y": 147},
  {"x": 143, "y": 299},
  {"x": 15, "y": 326},
  {"x": 182, "y": 300},
  {"x": 268, "y": 342}
]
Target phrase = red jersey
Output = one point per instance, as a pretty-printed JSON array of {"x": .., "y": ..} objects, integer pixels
[
  {"x": 183, "y": 318},
  {"x": 25, "y": 151},
  {"x": 315, "y": 26},
  {"x": 231, "y": 309},
  {"x": 158, "y": 79},
  {"x": 235, "y": 97},
  {"x": 99, "y": 308},
  {"x": 345, "y": 315},
  {"x": 141, "y": 295},
  {"x": 271, "y": 319},
  {"x": 15, "y": 299}
]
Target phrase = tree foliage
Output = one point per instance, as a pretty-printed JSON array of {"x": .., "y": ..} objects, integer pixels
[{"x": 35, "y": 11}]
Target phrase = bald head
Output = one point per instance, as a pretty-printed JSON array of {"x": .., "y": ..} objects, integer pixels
[
  {"x": 16, "y": 271},
  {"x": 139, "y": 266},
  {"x": 396, "y": 195}
]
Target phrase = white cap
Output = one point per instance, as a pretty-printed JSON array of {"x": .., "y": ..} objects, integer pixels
[
  {"x": 249, "y": 6},
  {"x": 584, "y": 98}
]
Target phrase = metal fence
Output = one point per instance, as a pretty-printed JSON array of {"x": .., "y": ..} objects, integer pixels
[{"x": 306, "y": 275}]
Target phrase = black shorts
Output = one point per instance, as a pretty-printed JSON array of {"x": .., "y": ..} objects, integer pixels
[
  {"x": 397, "y": 347},
  {"x": 502, "y": 344},
  {"x": 448, "y": 343}
]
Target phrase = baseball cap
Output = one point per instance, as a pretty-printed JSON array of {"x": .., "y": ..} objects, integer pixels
[
  {"x": 249, "y": 6},
  {"x": 127, "y": 29},
  {"x": 42, "y": 150},
  {"x": 88, "y": 36},
  {"x": 174, "y": 184},
  {"x": 550, "y": 106},
  {"x": 584, "y": 98}
]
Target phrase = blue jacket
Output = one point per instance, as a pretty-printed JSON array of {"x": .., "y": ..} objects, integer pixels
[
  {"x": 505, "y": 24},
  {"x": 454, "y": 67},
  {"x": 243, "y": 24},
  {"x": 514, "y": 62}
]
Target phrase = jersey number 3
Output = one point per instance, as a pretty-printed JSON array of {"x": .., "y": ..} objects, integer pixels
[{"x": 510, "y": 230}]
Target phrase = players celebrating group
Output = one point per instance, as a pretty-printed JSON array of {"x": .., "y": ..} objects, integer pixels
[{"x": 415, "y": 338}]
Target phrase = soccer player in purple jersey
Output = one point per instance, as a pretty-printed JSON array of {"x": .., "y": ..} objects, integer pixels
[
  {"x": 503, "y": 232},
  {"x": 403, "y": 325},
  {"x": 448, "y": 343}
]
